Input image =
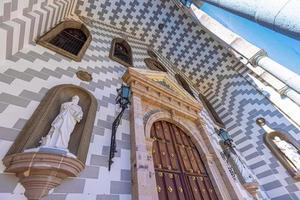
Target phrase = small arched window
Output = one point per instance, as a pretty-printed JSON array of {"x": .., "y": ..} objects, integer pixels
[
  {"x": 69, "y": 38},
  {"x": 121, "y": 52},
  {"x": 287, "y": 151},
  {"x": 154, "y": 65},
  {"x": 151, "y": 54},
  {"x": 214, "y": 115},
  {"x": 184, "y": 84}
]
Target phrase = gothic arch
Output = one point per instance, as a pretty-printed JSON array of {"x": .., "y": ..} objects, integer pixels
[
  {"x": 268, "y": 139},
  {"x": 39, "y": 123},
  {"x": 69, "y": 38},
  {"x": 153, "y": 64},
  {"x": 121, "y": 52}
]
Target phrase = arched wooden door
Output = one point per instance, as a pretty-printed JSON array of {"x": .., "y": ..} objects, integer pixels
[{"x": 179, "y": 170}]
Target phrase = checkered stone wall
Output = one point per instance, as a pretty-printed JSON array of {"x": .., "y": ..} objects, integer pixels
[
  {"x": 214, "y": 72},
  {"x": 29, "y": 71},
  {"x": 28, "y": 74},
  {"x": 23, "y": 21}
]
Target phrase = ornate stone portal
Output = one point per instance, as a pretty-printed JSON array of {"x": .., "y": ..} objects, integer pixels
[
  {"x": 153, "y": 101},
  {"x": 42, "y": 168}
]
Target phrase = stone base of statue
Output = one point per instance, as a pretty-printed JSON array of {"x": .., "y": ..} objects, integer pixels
[
  {"x": 40, "y": 172},
  {"x": 52, "y": 150}
]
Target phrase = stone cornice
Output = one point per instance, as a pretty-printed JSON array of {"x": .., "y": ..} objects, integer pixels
[{"x": 176, "y": 99}]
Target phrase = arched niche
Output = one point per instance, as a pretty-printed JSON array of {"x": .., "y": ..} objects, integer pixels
[
  {"x": 121, "y": 52},
  {"x": 69, "y": 38},
  {"x": 268, "y": 139},
  {"x": 184, "y": 84},
  {"x": 39, "y": 123},
  {"x": 153, "y": 64}
]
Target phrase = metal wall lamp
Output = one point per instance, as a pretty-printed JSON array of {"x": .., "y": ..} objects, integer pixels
[{"x": 123, "y": 99}]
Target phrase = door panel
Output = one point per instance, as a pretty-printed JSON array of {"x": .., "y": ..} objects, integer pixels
[
  {"x": 196, "y": 192},
  {"x": 179, "y": 170}
]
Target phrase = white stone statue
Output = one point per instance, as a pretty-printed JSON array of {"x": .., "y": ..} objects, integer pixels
[
  {"x": 63, "y": 125},
  {"x": 289, "y": 150}
]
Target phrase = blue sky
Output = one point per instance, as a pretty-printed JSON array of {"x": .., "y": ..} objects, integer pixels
[{"x": 282, "y": 49}]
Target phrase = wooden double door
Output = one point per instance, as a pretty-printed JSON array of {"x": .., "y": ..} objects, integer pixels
[{"x": 179, "y": 170}]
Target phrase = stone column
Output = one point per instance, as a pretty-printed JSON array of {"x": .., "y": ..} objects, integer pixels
[
  {"x": 289, "y": 78},
  {"x": 282, "y": 16},
  {"x": 143, "y": 174}
]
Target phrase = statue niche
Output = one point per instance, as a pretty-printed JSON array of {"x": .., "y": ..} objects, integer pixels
[
  {"x": 53, "y": 144},
  {"x": 287, "y": 150}
]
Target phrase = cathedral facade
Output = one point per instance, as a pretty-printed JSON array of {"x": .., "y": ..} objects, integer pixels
[{"x": 171, "y": 105}]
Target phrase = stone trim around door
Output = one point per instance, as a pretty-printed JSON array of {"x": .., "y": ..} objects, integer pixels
[{"x": 151, "y": 103}]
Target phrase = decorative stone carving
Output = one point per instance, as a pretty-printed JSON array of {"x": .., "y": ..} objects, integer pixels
[
  {"x": 145, "y": 83},
  {"x": 152, "y": 102},
  {"x": 84, "y": 76}
]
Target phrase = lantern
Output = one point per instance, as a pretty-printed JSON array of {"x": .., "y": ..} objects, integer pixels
[
  {"x": 227, "y": 140},
  {"x": 124, "y": 95}
]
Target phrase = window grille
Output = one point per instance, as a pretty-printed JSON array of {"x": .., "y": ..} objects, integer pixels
[{"x": 70, "y": 40}]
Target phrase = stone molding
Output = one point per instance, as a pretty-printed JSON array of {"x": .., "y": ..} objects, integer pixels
[
  {"x": 41, "y": 172},
  {"x": 143, "y": 83}
]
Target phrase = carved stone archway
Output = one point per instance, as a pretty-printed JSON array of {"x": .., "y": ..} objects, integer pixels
[{"x": 153, "y": 101}]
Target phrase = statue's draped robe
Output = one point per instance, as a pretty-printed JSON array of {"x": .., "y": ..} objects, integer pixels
[
  {"x": 63, "y": 125},
  {"x": 289, "y": 151}
]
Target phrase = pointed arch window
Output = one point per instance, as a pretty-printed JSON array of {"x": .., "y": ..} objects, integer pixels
[
  {"x": 69, "y": 38},
  {"x": 214, "y": 115},
  {"x": 184, "y": 84},
  {"x": 287, "y": 151},
  {"x": 153, "y": 64},
  {"x": 121, "y": 52}
]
